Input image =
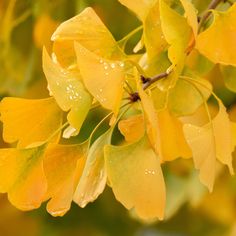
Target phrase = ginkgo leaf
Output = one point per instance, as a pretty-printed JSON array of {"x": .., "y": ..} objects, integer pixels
[
  {"x": 151, "y": 119},
  {"x": 135, "y": 176},
  {"x": 22, "y": 176},
  {"x": 211, "y": 142},
  {"x": 229, "y": 75},
  {"x": 148, "y": 12},
  {"x": 154, "y": 39},
  {"x": 221, "y": 34},
  {"x": 103, "y": 78},
  {"x": 29, "y": 121},
  {"x": 87, "y": 29},
  {"x": 171, "y": 136},
  {"x": 191, "y": 15},
  {"x": 94, "y": 177},
  {"x": 177, "y": 33},
  {"x": 185, "y": 98},
  {"x": 63, "y": 166},
  {"x": 68, "y": 91},
  {"x": 140, "y": 8},
  {"x": 132, "y": 128},
  {"x": 43, "y": 29},
  {"x": 173, "y": 143}
]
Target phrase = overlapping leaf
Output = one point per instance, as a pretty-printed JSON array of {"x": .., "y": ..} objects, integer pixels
[
  {"x": 209, "y": 143},
  {"x": 68, "y": 90},
  {"x": 103, "y": 78},
  {"x": 172, "y": 140},
  {"x": 63, "y": 166},
  {"x": 148, "y": 12},
  {"x": 177, "y": 33},
  {"x": 221, "y": 35},
  {"x": 136, "y": 178},
  {"x": 87, "y": 29},
  {"x": 94, "y": 177},
  {"x": 29, "y": 121},
  {"x": 22, "y": 176}
]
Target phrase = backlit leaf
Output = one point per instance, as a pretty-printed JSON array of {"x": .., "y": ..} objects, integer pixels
[
  {"x": 94, "y": 177},
  {"x": 87, "y": 29},
  {"x": 211, "y": 142},
  {"x": 151, "y": 119},
  {"x": 63, "y": 166},
  {"x": 136, "y": 178},
  {"x": 191, "y": 15},
  {"x": 22, "y": 176},
  {"x": 177, "y": 33},
  {"x": 229, "y": 75},
  {"x": 132, "y": 128},
  {"x": 172, "y": 141},
  {"x": 103, "y": 78},
  {"x": 29, "y": 121},
  {"x": 221, "y": 35},
  {"x": 68, "y": 91},
  {"x": 185, "y": 98},
  {"x": 149, "y": 13}
]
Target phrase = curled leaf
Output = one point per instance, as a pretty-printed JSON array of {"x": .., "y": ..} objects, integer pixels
[
  {"x": 94, "y": 177},
  {"x": 221, "y": 34},
  {"x": 68, "y": 91}
]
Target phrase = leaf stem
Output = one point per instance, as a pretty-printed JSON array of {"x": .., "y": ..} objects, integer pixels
[
  {"x": 57, "y": 131},
  {"x": 128, "y": 36}
]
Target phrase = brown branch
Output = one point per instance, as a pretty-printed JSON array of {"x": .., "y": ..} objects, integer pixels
[
  {"x": 150, "y": 81},
  {"x": 213, "y": 4}
]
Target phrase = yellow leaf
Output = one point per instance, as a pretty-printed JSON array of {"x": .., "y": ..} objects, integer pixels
[
  {"x": 191, "y": 15},
  {"x": 151, "y": 119},
  {"x": 68, "y": 91},
  {"x": 29, "y": 121},
  {"x": 87, "y": 29},
  {"x": 211, "y": 142},
  {"x": 63, "y": 165},
  {"x": 135, "y": 176},
  {"x": 140, "y": 8},
  {"x": 132, "y": 128},
  {"x": 184, "y": 97},
  {"x": 148, "y": 12},
  {"x": 22, "y": 176},
  {"x": 154, "y": 39},
  {"x": 173, "y": 143},
  {"x": 43, "y": 29},
  {"x": 218, "y": 42},
  {"x": 177, "y": 33},
  {"x": 103, "y": 78},
  {"x": 94, "y": 177}
]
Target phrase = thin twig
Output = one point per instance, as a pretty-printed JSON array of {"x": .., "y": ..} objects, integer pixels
[
  {"x": 155, "y": 79},
  {"x": 213, "y": 4}
]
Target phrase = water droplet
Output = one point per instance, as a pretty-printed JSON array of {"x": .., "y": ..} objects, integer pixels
[
  {"x": 113, "y": 65},
  {"x": 100, "y": 90},
  {"x": 122, "y": 64}
]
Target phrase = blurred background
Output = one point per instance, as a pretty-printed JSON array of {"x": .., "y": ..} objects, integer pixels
[{"x": 27, "y": 25}]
